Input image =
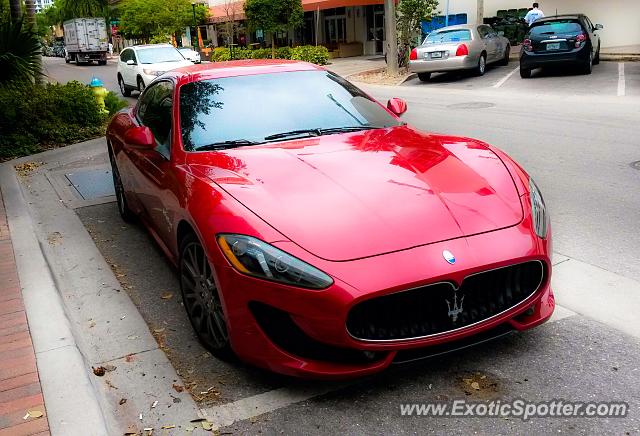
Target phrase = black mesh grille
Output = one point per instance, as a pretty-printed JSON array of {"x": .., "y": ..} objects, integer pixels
[{"x": 439, "y": 308}]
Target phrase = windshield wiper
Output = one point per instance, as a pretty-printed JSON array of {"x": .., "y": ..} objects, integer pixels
[
  {"x": 225, "y": 145},
  {"x": 343, "y": 129},
  {"x": 308, "y": 132}
]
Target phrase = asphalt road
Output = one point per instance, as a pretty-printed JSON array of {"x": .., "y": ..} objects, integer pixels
[{"x": 577, "y": 136}]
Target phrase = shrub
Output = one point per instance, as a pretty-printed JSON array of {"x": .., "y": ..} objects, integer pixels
[
  {"x": 114, "y": 103},
  {"x": 33, "y": 117},
  {"x": 283, "y": 53},
  {"x": 261, "y": 53},
  {"x": 310, "y": 53}
]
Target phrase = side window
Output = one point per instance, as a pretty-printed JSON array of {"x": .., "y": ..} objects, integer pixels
[
  {"x": 143, "y": 103},
  {"x": 590, "y": 26},
  {"x": 124, "y": 55},
  {"x": 156, "y": 114},
  {"x": 483, "y": 31}
]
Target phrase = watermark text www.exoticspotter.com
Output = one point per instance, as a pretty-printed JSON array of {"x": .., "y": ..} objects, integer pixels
[{"x": 519, "y": 408}]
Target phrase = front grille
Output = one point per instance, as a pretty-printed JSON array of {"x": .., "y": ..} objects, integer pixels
[{"x": 439, "y": 308}]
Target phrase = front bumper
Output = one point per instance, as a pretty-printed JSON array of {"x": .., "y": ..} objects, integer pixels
[
  {"x": 453, "y": 63},
  {"x": 532, "y": 60},
  {"x": 320, "y": 316}
]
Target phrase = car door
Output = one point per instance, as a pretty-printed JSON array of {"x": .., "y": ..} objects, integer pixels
[
  {"x": 593, "y": 34},
  {"x": 154, "y": 165},
  {"x": 498, "y": 43},
  {"x": 488, "y": 43},
  {"x": 125, "y": 69}
]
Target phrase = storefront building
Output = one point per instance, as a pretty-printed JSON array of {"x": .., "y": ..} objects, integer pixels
[{"x": 356, "y": 27}]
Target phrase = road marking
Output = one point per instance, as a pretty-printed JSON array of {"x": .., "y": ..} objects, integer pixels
[
  {"x": 251, "y": 407},
  {"x": 505, "y": 78},
  {"x": 621, "y": 81}
]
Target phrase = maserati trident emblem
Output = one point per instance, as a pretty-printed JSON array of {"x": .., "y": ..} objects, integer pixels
[
  {"x": 456, "y": 309},
  {"x": 449, "y": 257}
]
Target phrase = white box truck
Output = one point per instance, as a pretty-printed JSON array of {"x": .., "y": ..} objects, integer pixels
[{"x": 86, "y": 40}]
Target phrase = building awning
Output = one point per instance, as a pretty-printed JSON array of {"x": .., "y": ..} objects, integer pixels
[{"x": 235, "y": 10}]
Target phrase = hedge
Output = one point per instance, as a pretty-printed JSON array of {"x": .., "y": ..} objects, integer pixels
[
  {"x": 308, "y": 53},
  {"x": 34, "y": 118}
]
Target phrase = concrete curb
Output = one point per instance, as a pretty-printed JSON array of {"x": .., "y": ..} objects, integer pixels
[
  {"x": 66, "y": 385},
  {"x": 80, "y": 317}
]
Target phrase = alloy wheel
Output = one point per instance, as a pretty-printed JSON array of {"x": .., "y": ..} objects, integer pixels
[{"x": 201, "y": 298}]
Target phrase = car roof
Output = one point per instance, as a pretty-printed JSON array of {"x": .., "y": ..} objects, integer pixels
[
  {"x": 459, "y": 27},
  {"x": 144, "y": 46},
  {"x": 560, "y": 17},
  {"x": 216, "y": 70}
]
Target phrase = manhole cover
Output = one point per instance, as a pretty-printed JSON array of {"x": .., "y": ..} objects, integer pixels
[
  {"x": 472, "y": 105},
  {"x": 635, "y": 165},
  {"x": 92, "y": 184}
]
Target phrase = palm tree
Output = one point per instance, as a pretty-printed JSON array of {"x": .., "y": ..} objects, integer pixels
[{"x": 15, "y": 9}]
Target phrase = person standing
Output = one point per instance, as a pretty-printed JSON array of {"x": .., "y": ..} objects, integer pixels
[{"x": 534, "y": 14}]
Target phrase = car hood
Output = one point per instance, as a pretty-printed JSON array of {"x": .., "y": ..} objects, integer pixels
[
  {"x": 166, "y": 66},
  {"x": 349, "y": 196}
]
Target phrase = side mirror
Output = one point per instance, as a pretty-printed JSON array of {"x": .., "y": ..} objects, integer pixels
[
  {"x": 140, "y": 136},
  {"x": 131, "y": 62},
  {"x": 599, "y": 27},
  {"x": 397, "y": 105}
]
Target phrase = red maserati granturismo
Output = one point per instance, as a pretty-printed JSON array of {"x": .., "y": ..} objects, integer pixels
[{"x": 317, "y": 235}]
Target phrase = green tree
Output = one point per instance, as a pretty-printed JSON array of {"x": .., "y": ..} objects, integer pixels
[
  {"x": 82, "y": 8},
  {"x": 147, "y": 19},
  {"x": 273, "y": 16},
  {"x": 410, "y": 14}
]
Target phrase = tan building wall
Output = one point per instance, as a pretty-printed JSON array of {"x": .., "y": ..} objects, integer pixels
[{"x": 620, "y": 18}]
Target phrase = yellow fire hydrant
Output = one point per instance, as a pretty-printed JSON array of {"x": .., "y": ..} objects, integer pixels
[{"x": 100, "y": 92}]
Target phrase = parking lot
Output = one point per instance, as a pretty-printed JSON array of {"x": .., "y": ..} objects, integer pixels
[
  {"x": 607, "y": 79},
  {"x": 577, "y": 136}
]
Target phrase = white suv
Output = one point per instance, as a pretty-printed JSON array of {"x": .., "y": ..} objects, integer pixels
[{"x": 140, "y": 64}]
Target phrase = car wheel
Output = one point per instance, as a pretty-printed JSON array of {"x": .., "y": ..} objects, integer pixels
[
  {"x": 123, "y": 88},
  {"x": 140, "y": 84},
  {"x": 126, "y": 213},
  {"x": 102, "y": 62},
  {"x": 201, "y": 298},
  {"x": 424, "y": 77},
  {"x": 588, "y": 67},
  {"x": 525, "y": 73},
  {"x": 596, "y": 60},
  {"x": 482, "y": 65},
  {"x": 66, "y": 60},
  {"x": 505, "y": 59}
]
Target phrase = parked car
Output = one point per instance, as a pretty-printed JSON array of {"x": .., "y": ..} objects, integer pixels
[
  {"x": 326, "y": 238},
  {"x": 461, "y": 47},
  {"x": 570, "y": 40},
  {"x": 190, "y": 54},
  {"x": 140, "y": 64}
]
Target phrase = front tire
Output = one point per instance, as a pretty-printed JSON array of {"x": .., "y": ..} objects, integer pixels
[
  {"x": 141, "y": 85},
  {"x": 505, "y": 60},
  {"x": 424, "y": 77},
  {"x": 596, "y": 60},
  {"x": 123, "y": 88},
  {"x": 201, "y": 298}
]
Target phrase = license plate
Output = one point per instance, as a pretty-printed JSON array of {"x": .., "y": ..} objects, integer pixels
[
  {"x": 554, "y": 46},
  {"x": 436, "y": 55}
]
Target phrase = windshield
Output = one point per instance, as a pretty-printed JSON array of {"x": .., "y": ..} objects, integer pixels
[
  {"x": 252, "y": 108},
  {"x": 448, "y": 36},
  {"x": 557, "y": 28},
  {"x": 159, "y": 54}
]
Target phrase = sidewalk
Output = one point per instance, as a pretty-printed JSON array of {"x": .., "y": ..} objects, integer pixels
[
  {"x": 355, "y": 65},
  {"x": 22, "y": 410}
]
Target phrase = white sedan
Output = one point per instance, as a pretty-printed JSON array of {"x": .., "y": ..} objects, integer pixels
[{"x": 190, "y": 54}]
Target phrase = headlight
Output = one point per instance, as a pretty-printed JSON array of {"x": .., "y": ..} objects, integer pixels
[
  {"x": 152, "y": 72},
  {"x": 539, "y": 211},
  {"x": 256, "y": 258}
]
